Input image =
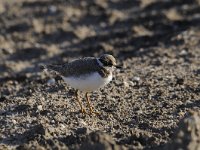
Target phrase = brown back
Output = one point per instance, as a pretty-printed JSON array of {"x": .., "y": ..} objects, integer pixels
[{"x": 79, "y": 67}]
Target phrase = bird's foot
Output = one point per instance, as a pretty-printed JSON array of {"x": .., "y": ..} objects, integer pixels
[
  {"x": 83, "y": 111},
  {"x": 94, "y": 112}
]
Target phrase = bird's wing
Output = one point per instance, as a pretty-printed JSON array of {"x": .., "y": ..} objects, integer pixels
[{"x": 76, "y": 67}]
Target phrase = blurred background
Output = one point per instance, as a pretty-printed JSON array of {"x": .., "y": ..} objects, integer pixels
[{"x": 33, "y": 32}]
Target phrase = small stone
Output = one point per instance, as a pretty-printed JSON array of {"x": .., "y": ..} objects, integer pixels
[
  {"x": 131, "y": 83},
  {"x": 52, "y": 9},
  {"x": 42, "y": 99},
  {"x": 82, "y": 122},
  {"x": 126, "y": 84},
  {"x": 39, "y": 107},
  {"x": 14, "y": 121},
  {"x": 62, "y": 126},
  {"x": 51, "y": 81},
  {"x": 136, "y": 78},
  {"x": 51, "y": 129},
  {"x": 183, "y": 52},
  {"x": 53, "y": 121}
]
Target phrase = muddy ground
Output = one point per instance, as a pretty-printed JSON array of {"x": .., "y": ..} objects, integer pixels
[{"x": 156, "y": 41}]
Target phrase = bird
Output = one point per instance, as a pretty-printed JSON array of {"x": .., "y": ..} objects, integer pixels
[{"x": 86, "y": 74}]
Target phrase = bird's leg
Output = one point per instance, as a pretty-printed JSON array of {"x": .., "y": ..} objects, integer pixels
[
  {"x": 89, "y": 105},
  {"x": 80, "y": 104}
]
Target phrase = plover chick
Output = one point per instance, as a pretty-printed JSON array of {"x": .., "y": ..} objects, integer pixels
[{"x": 87, "y": 74}]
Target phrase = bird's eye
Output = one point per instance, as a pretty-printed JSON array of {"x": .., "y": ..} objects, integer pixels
[
  {"x": 106, "y": 63},
  {"x": 103, "y": 62}
]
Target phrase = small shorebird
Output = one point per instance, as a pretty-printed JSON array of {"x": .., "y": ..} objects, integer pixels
[{"x": 87, "y": 74}]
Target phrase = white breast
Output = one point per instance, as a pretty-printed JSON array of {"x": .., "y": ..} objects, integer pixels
[{"x": 90, "y": 82}]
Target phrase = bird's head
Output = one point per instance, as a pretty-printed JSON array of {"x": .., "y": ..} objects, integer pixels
[{"x": 107, "y": 60}]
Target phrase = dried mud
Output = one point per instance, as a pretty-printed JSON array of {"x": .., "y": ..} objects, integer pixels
[{"x": 147, "y": 104}]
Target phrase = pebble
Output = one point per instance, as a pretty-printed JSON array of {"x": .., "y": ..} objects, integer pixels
[
  {"x": 52, "y": 9},
  {"x": 126, "y": 84},
  {"x": 42, "y": 99},
  {"x": 51, "y": 81},
  {"x": 53, "y": 121},
  {"x": 39, "y": 107},
  {"x": 82, "y": 122},
  {"x": 62, "y": 126},
  {"x": 14, "y": 121},
  {"x": 183, "y": 52},
  {"x": 136, "y": 78}
]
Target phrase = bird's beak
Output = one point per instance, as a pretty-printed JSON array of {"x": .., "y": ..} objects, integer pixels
[{"x": 118, "y": 67}]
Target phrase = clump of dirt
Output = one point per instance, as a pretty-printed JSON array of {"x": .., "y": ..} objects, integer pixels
[
  {"x": 187, "y": 135},
  {"x": 100, "y": 141}
]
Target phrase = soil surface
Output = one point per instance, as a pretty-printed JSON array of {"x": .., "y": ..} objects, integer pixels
[{"x": 147, "y": 104}]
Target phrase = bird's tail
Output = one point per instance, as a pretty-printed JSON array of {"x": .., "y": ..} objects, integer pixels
[{"x": 51, "y": 68}]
